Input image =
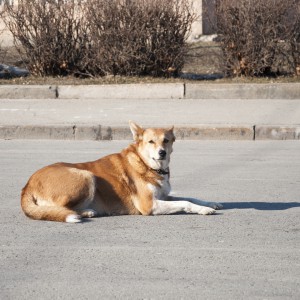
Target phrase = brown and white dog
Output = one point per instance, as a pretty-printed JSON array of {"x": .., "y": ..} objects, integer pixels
[{"x": 135, "y": 181}]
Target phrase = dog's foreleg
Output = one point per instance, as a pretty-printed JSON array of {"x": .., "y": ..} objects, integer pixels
[
  {"x": 213, "y": 205},
  {"x": 161, "y": 207}
]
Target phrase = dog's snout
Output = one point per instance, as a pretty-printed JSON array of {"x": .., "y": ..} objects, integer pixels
[{"x": 162, "y": 153}]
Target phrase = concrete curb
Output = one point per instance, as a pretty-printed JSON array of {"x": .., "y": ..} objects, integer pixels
[
  {"x": 101, "y": 133},
  {"x": 122, "y": 91},
  {"x": 277, "y": 132},
  {"x": 28, "y": 92},
  {"x": 243, "y": 91},
  {"x": 154, "y": 91},
  {"x": 288, "y": 91}
]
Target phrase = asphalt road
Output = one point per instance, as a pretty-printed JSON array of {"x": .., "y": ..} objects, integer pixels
[{"x": 250, "y": 250}]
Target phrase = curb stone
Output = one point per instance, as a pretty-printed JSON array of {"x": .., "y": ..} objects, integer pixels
[
  {"x": 60, "y": 132},
  {"x": 154, "y": 91},
  {"x": 101, "y": 133},
  {"x": 277, "y": 133},
  {"x": 243, "y": 91},
  {"x": 104, "y": 133},
  {"x": 28, "y": 92},
  {"x": 214, "y": 133},
  {"x": 122, "y": 91}
]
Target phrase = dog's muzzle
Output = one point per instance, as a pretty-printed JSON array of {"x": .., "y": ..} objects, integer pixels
[{"x": 162, "y": 154}]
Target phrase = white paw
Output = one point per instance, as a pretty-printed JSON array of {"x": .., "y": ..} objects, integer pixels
[
  {"x": 215, "y": 205},
  {"x": 206, "y": 211},
  {"x": 73, "y": 219},
  {"x": 89, "y": 213}
]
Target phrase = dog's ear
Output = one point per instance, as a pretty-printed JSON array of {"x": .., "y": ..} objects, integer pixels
[
  {"x": 136, "y": 131},
  {"x": 171, "y": 132}
]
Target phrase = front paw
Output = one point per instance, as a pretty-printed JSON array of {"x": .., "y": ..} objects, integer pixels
[{"x": 206, "y": 211}]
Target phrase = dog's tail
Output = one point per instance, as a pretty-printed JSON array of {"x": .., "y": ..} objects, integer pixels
[{"x": 47, "y": 213}]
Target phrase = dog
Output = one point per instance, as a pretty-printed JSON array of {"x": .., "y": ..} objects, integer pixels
[{"x": 132, "y": 182}]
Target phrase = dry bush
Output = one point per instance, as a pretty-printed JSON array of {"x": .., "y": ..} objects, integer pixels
[
  {"x": 100, "y": 37},
  {"x": 295, "y": 36},
  {"x": 259, "y": 37},
  {"x": 1, "y": 18},
  {"x": 51, "y": 33},
  {"x": 139, "y": 37},
  {"x": 2, "y": 51}
]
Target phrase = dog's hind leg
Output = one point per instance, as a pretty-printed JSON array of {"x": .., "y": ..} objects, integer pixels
[
  {"x": 59, "y": 193},
  {"x": 50, "y": 212}
]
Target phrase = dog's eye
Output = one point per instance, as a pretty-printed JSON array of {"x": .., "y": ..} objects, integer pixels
[
  {"x": 151, "y": 142},
  {"x": 166, "y": 141}
]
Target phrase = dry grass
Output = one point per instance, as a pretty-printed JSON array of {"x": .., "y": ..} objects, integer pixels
[{"x": 202, "y": 58}]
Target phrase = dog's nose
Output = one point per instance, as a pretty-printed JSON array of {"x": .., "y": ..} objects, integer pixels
[{"x": 162, "y": 153}]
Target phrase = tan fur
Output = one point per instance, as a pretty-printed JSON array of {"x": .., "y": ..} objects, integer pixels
[
  {"x": 113, "y": 185},
  {"x": 122, "y": 183}
]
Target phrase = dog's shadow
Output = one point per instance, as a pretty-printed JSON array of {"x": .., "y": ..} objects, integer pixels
[
  {"x": 260, "y": 205},
  {"x": 243, "y": 205}
]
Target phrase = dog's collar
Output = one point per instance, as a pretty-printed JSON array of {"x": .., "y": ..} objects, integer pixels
[{"x": 162, "y": 171}]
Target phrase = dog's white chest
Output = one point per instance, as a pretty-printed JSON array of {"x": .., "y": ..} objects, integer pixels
[{"x": 161, "y": 191}]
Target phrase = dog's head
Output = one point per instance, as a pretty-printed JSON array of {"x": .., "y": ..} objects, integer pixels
[{"x": 154, "y": 145}]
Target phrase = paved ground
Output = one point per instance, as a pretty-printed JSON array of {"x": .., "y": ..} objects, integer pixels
[
  {"x": 250, "y": 250},
  {"x": 94, "y": 119},
  {"x": 150, "y": 112}
]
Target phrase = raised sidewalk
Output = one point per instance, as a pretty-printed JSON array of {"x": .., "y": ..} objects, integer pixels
[{"x": 198, "y": 111}]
